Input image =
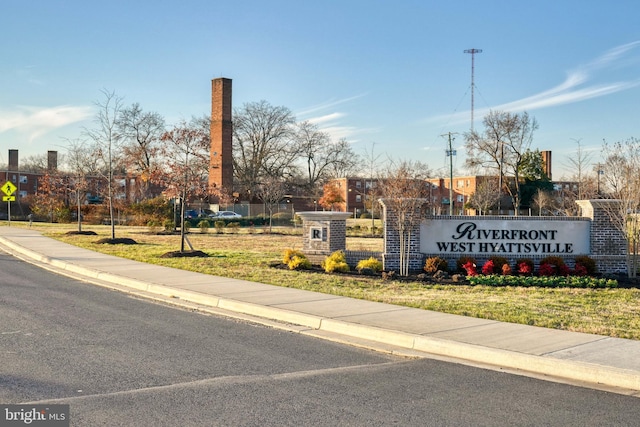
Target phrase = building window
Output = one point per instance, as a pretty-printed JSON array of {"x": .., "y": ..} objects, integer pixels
[
  {"x": 23, "y": 179},
  {"x": 358, "y": 184},
  {"x": 358, "y": 198}
]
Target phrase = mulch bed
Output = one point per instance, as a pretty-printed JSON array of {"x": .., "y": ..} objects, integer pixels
[
  {"x": 117, "y": 241},
  {"x": 185, "y": 254},
  {"x": 455, "y": 279},
  {"x": 624, "y": 282}
]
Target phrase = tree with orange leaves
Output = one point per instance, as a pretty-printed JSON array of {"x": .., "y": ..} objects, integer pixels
[{"x": 331, "y": 196}]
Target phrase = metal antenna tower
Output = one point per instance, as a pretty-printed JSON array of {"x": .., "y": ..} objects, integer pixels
[{"x": 473, "y": 55}]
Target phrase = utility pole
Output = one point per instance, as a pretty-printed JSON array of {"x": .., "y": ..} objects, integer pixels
[
  {"x": 450, "y": 153},
  {"x": 473, "y": 55}
]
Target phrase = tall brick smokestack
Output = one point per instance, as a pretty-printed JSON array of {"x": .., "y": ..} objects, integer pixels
[
  {"x": 52, "y": 160},
  {"x": 221, "y": 163},
  {"x": 13, "y": 160},
  {"x": 546, "y": 163}
]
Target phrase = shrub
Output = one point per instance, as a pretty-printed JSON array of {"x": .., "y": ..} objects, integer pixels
[
  {"x": 371, "y": 264},
  {"x": 553, "y": 266},
  {"x": 586, "y": 263},
  {"x": 544, "y": 282},
  {"x": 462, "y": 261},
  {"x": 153, "y": 226},
  {"x": 233, "y": 226},
  {"x": 337, "y": 261},
  {"x": 581, "y": 270},
  {"x": 366, "y": 215},
  {"x": 295, "y": 260},
  {"x": 498, "y": 263},
  {"x": 169, "y": 225},
  {"x": 506, "y": 270},
  {"x": 219, "y": 225},
  {"x": 488, "y": 268},
  {"x": 470, "y": 269},
  {"x": 204, "y": 226},
  {"x": 525, "y": 267},
  {"x": 434, "y": 264},
  {"x": 546, "y": 270}
]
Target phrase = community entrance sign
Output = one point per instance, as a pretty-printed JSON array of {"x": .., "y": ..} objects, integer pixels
[{"x": 527, "y": 237}]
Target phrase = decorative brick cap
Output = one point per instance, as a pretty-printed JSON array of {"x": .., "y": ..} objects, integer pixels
[
  {"x": 597, "y": 202},
  {"x": 323, "y": 216},
  {"x": 386, "y": 202}
]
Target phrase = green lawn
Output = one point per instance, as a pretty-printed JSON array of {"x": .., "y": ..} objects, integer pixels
[{"x": 611, "y": 312}]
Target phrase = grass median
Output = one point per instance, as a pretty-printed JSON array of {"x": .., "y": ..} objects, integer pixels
[{"x": 247, "y": 256}]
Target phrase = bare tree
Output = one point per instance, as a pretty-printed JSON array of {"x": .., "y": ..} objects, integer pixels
[
  {"x": 624, "y": 157},
  {"x": 107, "y": 141},
  {"x": 486, "y": 195},
  {"x": 343, "y": 160},
  {"x": 81, "y": 162},
  {"x": 37, "y": 163},
  {"x": 543, "y": 200},
  {"x": 405, "y": 191},
  {"x": 185, "y": 150},
  {"x": 140, "y": 132},
  {"x": 319, "y": 157},
  {"x": 580, "y": 164},
  {"x": 262, "y": 136},
  {"x": 502, "y": 146}
]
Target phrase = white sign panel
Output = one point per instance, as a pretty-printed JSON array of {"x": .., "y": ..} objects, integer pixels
[{"x": 504, "y": 237}]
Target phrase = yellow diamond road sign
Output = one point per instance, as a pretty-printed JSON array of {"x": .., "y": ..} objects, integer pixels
[{"x": 8, "y": 188}]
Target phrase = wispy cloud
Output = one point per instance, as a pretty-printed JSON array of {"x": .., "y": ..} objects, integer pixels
[
  {"x": 37, "y": 121},
  {"x": 574, "y": 88},
  {"x": 331, "y": 121},
  {"x": 327, "y": 105}
]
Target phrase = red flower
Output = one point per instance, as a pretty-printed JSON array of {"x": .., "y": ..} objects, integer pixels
[
  {"x": 470, "y": 268},
  {"x": 488, "y": 267},
  {"x": 524, "y": 268}
]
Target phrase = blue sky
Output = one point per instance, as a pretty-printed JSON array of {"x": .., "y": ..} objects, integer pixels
[{"x": 387, "y": 74}]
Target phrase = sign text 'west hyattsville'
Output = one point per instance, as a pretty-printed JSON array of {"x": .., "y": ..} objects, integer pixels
[{"x": 505, "y": 236}]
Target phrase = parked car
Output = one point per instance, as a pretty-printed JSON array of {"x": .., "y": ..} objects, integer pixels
[
  {"x": 191, "y": 214},
  {"x": 225, "y": 214}
]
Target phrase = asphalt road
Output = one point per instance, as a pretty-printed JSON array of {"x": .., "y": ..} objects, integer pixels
[{"x": 121, "y": 361}]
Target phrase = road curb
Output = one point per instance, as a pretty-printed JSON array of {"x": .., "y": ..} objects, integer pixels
[{"x": 508, "y": 359}]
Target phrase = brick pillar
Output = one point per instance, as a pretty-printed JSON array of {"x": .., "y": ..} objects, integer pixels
[
  {"x": 608, "y": 245},
  {"x": 391, "y": 251},
  {"x": 221, "y": 163},
  {"x": 323, "y": 233}
]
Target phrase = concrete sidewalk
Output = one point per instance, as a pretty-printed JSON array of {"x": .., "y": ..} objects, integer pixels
[{"x": 596, "y": 361}]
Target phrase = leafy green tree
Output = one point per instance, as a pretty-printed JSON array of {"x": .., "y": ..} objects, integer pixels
[{"x": 535, "y": 179}]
